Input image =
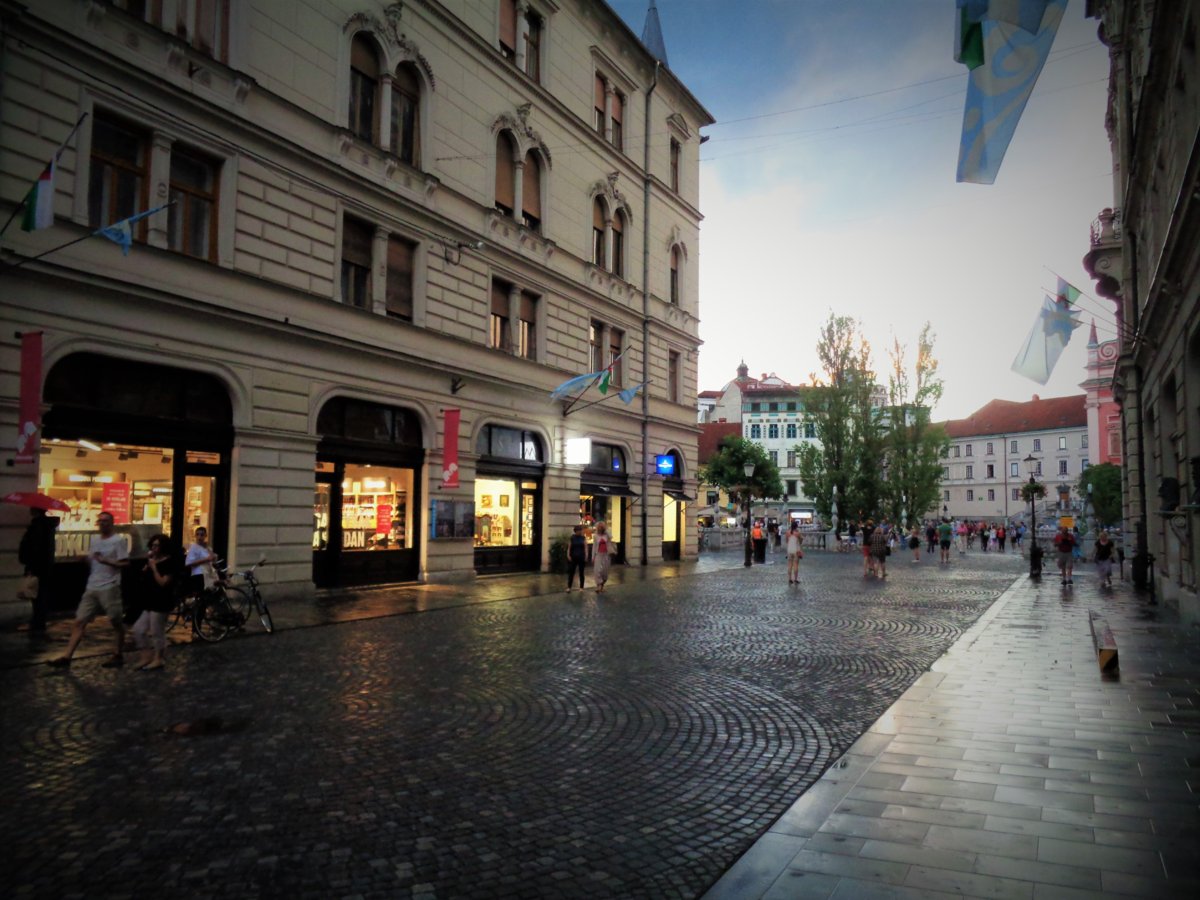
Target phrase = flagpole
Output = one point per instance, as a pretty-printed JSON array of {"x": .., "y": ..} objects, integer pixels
[
  {"x": 601, "y": 400},
  {"x": 8, "y": 267},
  {"x": 57, "y": 155}
]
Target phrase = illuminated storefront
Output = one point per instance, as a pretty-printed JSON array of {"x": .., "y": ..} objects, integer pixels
[
  {"x": 508, "y": 500},
  {"x": 366, "y": 502},
  {"x": 604, "y": 496},
  {"x": 148, "y": 443},
  {"x": 674, "y": 501}
]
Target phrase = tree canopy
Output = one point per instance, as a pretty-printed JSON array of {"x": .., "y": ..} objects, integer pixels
[
  {"x": 1105, "y": 479},
  {"x": 726, "y": 469}
]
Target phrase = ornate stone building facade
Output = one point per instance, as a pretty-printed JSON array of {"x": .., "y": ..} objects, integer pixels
[
  {"x": 1145, "y": 256},
  {"x": 380, "y": 215}
]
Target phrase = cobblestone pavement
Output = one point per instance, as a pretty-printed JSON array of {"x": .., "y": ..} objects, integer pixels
[{"x": 627, "y": 745}]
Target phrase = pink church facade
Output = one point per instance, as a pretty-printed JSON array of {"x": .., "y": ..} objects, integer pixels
[{"x": 1103, "y": 413}]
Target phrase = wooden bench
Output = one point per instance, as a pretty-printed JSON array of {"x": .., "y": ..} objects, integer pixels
[{"x": 1105, "y": 643}]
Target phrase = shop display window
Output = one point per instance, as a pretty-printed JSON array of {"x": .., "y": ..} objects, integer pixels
[
  {"x": 672, "y": 510},
  {"x": 496, "y": 514},
  {"x": 134, "y": 483},
  {"x": 376, "y": 513},
  {"x": 609, "y": 510}
]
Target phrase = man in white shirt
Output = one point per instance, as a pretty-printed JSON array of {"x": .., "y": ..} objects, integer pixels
[{"x": 107, "y": 556}]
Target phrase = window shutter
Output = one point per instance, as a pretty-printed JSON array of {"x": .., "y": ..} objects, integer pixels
[
  {"x": 356, "y": 242},
  {"x": 600, "y": 91},
  {"x": 618, "y": 223},
  {"x": 598, "y": 215},
  {"x": 504, "y": 171},
  {"x": 500, "y": 299},
  {"x": 206, "y": 26},
  {"x": 400, "y": 265},
  {"x": 362, "y": 57},
  {"x": 528, "y": 306},
  {"x": 531, "y": 196},
  {"x": 618, "y": 108},
  {"x": 508, "y": 23}
]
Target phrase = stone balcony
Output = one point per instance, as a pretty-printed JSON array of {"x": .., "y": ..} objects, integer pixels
[{"x": 1104, "y": 262}]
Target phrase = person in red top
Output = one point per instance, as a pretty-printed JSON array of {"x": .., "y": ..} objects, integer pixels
[{"x": 1064, "y": 543}]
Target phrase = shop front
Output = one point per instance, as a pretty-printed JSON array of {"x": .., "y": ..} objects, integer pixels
[
  {"x": 604, "y": 496},
  {"x": 366, "y": 503},
  {"x": 508, "y": 500},
  {"x": 675, "y": 501},
  {"x": 150, "y": 444}
]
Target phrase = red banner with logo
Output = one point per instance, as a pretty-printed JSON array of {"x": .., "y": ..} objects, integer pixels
[
  {"x": 115, "y": 498},
  {"x": 450, "y": 420},
  {"x": 29, "y": 416}
]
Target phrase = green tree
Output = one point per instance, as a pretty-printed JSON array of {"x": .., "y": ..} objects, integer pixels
[
  {"x": 1105, "y": 479},
  {"x": 726, "y": 469},
  {"x": 839, "y": 404},
  {"x": 914, "y": 445}
]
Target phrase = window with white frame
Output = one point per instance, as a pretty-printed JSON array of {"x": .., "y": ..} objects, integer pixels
[
  {"x": 1012, "y": 447},
  {"x": 791, "y": 459},
  {"x": 990, "y": 451},
  {"x": 364, "y": 89},
  {"x": 1062, "y": 442},
  {"x": 968, "y": 450},
  {"x": 773, "y": 431},
  {"x": 970, "y": 472},
  {"x": 810, "y": 430},
  {"x": 991, "y": 494},
  {"x": 1062, "y": 467},
  {"x": 946, "y": 496},
  {"x": 674, "y": 373},
  {"x": 790, "y": 430},
  {"x": 1016, "y": 493},
  {"x": 357, "y": 239},
  {"x": 1014, "y": 470},
  {"x": 1037, "y": 444},
  {"x": 774, "y": 455},
  {"x": 990, "y": 471},
  {"x": 970, "y": 494},
  {"x": 755, "y": 432}
]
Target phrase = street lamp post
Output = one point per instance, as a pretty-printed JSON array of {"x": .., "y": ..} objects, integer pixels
[
  {"x": 1035, "y": 552},
  {"x": 833, "y": 516},
  {"x": 748, "y": 469}
]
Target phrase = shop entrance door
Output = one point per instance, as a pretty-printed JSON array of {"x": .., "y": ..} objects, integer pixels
[
  {"x": 327, "y": 526},
  {"x": 672, "y": 513}
]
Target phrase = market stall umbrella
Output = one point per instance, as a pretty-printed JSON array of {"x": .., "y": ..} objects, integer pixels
[{"x": 35, "y": 500}]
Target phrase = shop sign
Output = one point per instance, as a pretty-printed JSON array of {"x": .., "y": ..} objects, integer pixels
[
  {"x": 115, "y": 497},
  {"x": 665, "y": 464},
  {"x": 383, "y": 518},
  {"x": 29, "y": 414},
  {"x": 578, "y": 451}
]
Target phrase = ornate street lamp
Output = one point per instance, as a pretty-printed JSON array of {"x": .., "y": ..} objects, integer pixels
[
  {"x": 1035, "y": 552},
  {"x": 748, "y": 468},
  {"x": 833, "y": 516}
]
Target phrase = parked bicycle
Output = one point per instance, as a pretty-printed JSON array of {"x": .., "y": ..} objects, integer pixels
[
  {"x": 224, "y": 606},
  {"x": 246, "y": 596}
]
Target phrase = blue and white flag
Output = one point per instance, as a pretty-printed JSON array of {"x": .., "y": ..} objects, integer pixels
[
  {"x": 122, "y": 232},
  {"x": 1005, "y": 44},
  {"x": 1047, "y": 339},
  {"x": 578, "y": 383}
]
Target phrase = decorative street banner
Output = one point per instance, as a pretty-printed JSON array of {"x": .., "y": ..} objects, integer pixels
[
  {"x": 450, "y": 420},
  {"x": 29, "y": 416},
  {"x": 114, "y": 498}
]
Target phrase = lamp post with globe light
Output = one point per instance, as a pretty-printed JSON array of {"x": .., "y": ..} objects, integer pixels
[
  {"x": 748, "y": 469},
  {"x": 1035, "y": 552}
]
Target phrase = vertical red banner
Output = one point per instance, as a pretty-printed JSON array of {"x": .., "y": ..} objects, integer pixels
[
  {"x": 450, "y": 420},
  {"x": 29, "y": 416}
]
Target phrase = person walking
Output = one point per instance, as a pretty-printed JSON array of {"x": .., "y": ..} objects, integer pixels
[
  {"x": 879, "y": 552},
  {"x": 1001, "y": 536},
  {"x": 601, "y": 554},
  {"x": 1104, "y": 556},
  {"x": 36, "y": 554},
  {"x": 914, "y": 543},
  {"x": 868, "y": 533},
  {"x": 961, "y": 535},
  {"x": 794, "y": 553},
  {"x": 199, "y": 563},
  {"x": 156, "y": 586},
  {"x": 945, "y": 535},
  {"x": 852, "y": 531},
  {"x": 931, "y": 535},
  {"x": 107, "y": 556},
  {"x": 983, "y": 536},
  {"x": 576, "y": 557},
  {"x": 1064, "y": 543}
]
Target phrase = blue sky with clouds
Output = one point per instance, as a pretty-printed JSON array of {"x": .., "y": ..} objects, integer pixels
[{"x": 828, "y": 184}]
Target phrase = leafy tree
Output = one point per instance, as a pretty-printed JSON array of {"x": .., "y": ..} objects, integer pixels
[
  {"x": 847, "y": 425},
  {"x": 726, "y": 469},
  {"x": 1105, "y": 479},
  {"x": 914, "y": 445}
]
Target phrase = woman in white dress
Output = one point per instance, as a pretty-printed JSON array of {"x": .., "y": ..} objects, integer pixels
[{"x": 601, "y": 555}]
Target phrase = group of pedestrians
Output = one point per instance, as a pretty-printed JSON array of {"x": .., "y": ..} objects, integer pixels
[
  {"x": 154, "y": 589},
  {"x": 602, "y": 551}
]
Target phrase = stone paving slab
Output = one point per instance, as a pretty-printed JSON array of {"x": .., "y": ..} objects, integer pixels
[
  {"x": 1013, "y": 769},
  {"x": 631, "y": 744}
]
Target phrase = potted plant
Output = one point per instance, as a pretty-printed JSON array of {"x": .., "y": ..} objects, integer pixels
[{"x": 1032, "y": 490}]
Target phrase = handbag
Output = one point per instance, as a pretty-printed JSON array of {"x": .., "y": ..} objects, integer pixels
[{"x": 28, "y": 588}]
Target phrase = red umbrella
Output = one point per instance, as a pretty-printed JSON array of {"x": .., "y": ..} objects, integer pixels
[{"x": 35, "y": 500}]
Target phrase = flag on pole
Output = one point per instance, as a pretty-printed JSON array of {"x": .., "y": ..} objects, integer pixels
[
  {"x": 571, "y": 385},
  {"x": 1066, "y": 292},
  {"x": 1004, "y": 43},
  {"x": 122, "y": 232},
  {"x": 629, "y": 393},
  {"x": 1047, "y": 339},
  {"x": 39, "y": 202},
  {"x": 606, "y": 377}
]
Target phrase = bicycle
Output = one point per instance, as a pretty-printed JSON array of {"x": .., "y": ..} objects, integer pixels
[
  {"x": 223, "y": 607},
  {"x": 249, "y": 594}
]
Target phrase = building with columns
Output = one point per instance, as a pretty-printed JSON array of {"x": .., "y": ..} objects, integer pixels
[
  {"x": 1144, "y": 255},
  {"x": 393, "y": 229}
]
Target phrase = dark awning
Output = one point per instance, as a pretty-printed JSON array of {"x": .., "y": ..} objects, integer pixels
[
  {"x": 606, "y": 490},
  {"x": 679, "y": 495}
]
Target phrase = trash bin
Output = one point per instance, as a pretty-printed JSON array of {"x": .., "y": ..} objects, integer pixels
[
  {"x": 1035, "y": 561},
  {"x": 760, "y": 550}
]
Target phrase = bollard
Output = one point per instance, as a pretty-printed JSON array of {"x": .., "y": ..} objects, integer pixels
[{"x": 1105, "y": 643}]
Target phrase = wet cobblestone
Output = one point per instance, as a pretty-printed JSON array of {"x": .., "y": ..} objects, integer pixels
[{"x": 626, "y": 745}]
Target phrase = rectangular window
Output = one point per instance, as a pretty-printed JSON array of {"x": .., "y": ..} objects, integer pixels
[
  {"x": 755, "y": 432},
  {"x": 405, "y": 122},
  {"x": 1062, "y": 443},
  {"x": 1014, "y": 470},
  {"x": 1083, "y": 466},
  {"x": 601, "y": 93},
  {"x": 773, "y": 432},
  {"x": 791, "y": 487},
  {"x": 755, "y": 407},
  {"x": 1037, "y": 469},
  {"x": 1083, "y": 441},
  {"x": 990, "y": 451},
  {"x": 527, "y": 326},
  {"x": 970, "y": 471},
  {"x": 192, "y": 221},
  {"x": 1016, "y": 493},
  {"x": 672, "y": 376},
  {"x": 357, "y": 238},
  {"x": 791, "y": 407},
  {"x": 209, "y": 32},
  {"x": 991, "y": 471},
  {"x": 498, "y": 331},
  {"x": 791, "y": 430},
  {"x": 991, "y": 494},
  {"x": 119, "y": 174},
  {"x": 968, "y": 449},
  {"x": 713, "y": 498},
  {"x": 970, "y": 494},
  {"x": 1114, "y": 443},
  {"x": 618, "y": 112},
  {"x": 675, "y": 165},
  {"x": 615, "y": 340},
  {"x": 773, "y": 407},
  {"x": 1062, "y": 467},
  {"x": 946, "y": 472},
  {"x": 599, "y": 255},
  {"x": 956, "y": 451},
  {"x": 1037, "y": 444},
  {"x": 810, "y": 430},
  {"x": 400, "y": 268},
  {"x": 1012, "y": 447},
  {"x": 533, "y": 47},
  {"x": 774, "y": 455},
  {"x": 791, "y": 459},
  {"x": 946, "y": 496},
  {"x": 595, "y": 333},
  {"x": 508, "y": 28}
]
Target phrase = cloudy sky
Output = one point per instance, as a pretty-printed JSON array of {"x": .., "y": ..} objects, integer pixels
[{"x": 828, "y": 184}]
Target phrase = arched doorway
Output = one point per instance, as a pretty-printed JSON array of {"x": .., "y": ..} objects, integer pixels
[
  {"x": 604, "y": 495},
  {"x": 670, "y": 466},
  {"x": 149, "y": 443},
  {"x": 367, "y": 501}
]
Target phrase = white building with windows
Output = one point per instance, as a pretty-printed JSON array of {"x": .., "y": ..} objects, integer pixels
[
  {"x": 383, "y": 215},
  {"x": 986, "y": 465}
]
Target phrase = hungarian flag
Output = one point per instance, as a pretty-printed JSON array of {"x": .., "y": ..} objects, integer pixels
[
  {"x": 606, "y": 378},
  {"x": 39, "y": 203},
  {"x": 1066, "y": 292}
]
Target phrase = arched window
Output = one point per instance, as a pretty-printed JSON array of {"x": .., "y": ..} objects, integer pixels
[
  {"x": 618, "y": 244},
  {"x": 406, "y": 115},
  {"x": 599, "y": 257},
  {"x": 364, "y": 89},
  {"x": 531, "y": 193},
  {"x": 675, "y": 276},
  {"x": 505, "y": 166}
]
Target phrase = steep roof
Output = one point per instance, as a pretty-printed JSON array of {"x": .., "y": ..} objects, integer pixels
[
  {"x": 711, "y": 435},
  {"x": 710, "y": 394},
  {"x": 1011, "y": 417},
  {"x": 652, "y": 35}
]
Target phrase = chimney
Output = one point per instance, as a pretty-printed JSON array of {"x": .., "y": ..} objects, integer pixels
[{"x": 1036, "y": 397}]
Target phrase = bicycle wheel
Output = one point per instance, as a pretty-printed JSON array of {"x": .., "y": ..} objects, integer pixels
[
  {"x": 211, "y": 617},
  {"x": 264, "y": 614}
]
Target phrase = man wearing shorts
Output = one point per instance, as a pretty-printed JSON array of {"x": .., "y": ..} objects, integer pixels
[
  {"x": 945, "y": 536},
  {"x": 107, "y": 556}
]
